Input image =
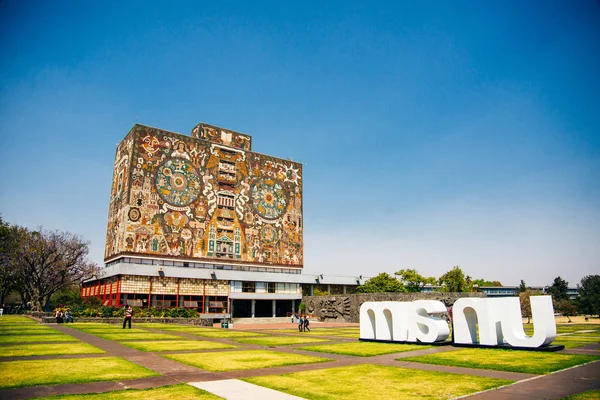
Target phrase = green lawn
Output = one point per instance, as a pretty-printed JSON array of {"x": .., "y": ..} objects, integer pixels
[
  {"x": 171, "y": 345},
  {"x": 124, "y": 336},
  {"x": 238, "y": 360},
  {"x": 176, "y": 392},
  {"x": 571, "y": 341},
  {"x": 37, "y": 331},
  {"x": 332, "y": 332},
  {"x": 74, "y": 370},
  {"x": 48, "y": 349},
  {"x": 225, "y": 333},
  {"x": 55, "y": 337},
  {"x": 376, "y": 382},
  {"x": 273, "y": 341},
  {"x": 173, "y": 327},
  {"x": 531, "y": 362},
  {"x": 9, "y": 319},
  {"x": 365, "y": 349}
]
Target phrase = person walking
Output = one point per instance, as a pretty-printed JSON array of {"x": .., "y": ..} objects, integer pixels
[
  {"x": 306, "y": 323},
  {"x": 128, "y": 315},
  {"x": 300, "y": 323}
]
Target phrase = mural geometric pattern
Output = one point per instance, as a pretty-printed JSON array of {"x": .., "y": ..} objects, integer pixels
[
  {"x": 268, "y": 198},
  {"x": 177, "y": 182}
]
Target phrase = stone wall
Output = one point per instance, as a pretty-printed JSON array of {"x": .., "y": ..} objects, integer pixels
[{"x": 346, "y": 308}]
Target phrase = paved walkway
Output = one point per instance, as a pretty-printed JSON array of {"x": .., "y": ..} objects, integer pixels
[
  {"x": 227, "y": 385},
  {"x": 234, "y": 389}
]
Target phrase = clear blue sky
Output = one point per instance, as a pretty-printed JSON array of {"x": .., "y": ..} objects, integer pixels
[{"x": 432, "y": 135}]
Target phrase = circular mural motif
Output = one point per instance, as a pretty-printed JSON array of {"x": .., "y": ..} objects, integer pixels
[
  {"x": 268, "y": 198},
  {"x": 134, "y": 214},
  {"x": 177, "y": 182},
  {"x": 268, "y": 234}
]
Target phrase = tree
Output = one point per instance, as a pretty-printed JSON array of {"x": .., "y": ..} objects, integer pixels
[
  {"x": 48, "y": 261},
  {"x": 589, "y": 295},
  {"x": 455, "y": 281},
  {"x": 522, "y": 286},
  {"x": 381, "y": 283},
  {"x": 566, "y": 308},
  {"x": 10, "y": 236},
  {"x": 412, "y": 280},
  {"x": 526, "y": 303},
  {"x": 559, "y": 289},
  {"x": 483, "y": 282}
]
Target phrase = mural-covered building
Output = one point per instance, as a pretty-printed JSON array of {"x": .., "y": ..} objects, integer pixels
[{"x": 202, "y": 221}]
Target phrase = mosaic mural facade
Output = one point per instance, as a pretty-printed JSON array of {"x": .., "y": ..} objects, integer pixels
[{"x": 204, "y": 197}]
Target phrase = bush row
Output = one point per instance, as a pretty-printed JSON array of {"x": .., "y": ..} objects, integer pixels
[{"x": 116, "y": 311}]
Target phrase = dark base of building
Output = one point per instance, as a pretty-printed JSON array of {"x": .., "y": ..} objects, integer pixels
[
  {"x": 549, "y": 348},
  {"x": 445, "y": 343}
]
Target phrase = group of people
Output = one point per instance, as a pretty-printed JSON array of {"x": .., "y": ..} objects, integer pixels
[
  {"x": 63, "y": 316},
  {"x": 303, "y": 322}
]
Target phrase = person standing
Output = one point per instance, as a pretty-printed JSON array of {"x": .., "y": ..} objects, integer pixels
[
  {"x": 128, "y": 315},
  {"x": 300, "y": 323}
]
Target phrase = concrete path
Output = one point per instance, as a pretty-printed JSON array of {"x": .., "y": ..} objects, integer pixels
[
  {"x": 553, "y": 386},
  {"x": 233, "y": 389}
]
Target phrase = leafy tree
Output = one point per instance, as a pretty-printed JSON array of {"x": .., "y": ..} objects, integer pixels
[
  {"x": 456, "y": 281},
  {"x": 589, "y": 295},
  {"x": 526, "y": 303},
  {"x": 432, "y": 280},
  {"x": 483, "y": 282},
  {"x": 566, "y": 308},
  {"x": 69, "y": 297},
  {"x": 522, "y": 286},
  {"x": 412, "y": 280},
  {"x": 45, "y": 262},
  {"x": 558, "y": 290},
  {"x": 381, "y": 283},
  {"x": 319, "y": 292}
]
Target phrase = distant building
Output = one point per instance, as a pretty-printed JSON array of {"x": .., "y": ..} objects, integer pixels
[
  {"x": 203, "y": 222},
  {"x": 505, "y": 291}
]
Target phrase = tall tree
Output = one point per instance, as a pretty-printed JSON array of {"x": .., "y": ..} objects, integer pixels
[
  {"x": 412, "y": 280},
  {"x": 559, "y": 289},
  {"x": 522, "y": 286},
  {"x": 526, "y": 303},
  {"x": 48, "y": 261},
  {"x": 10, "y": 236},
  {"x": 455, "y": 281},
  {"x": 381, "y": 283},
  {"x": 589, "y": 295},
  {"x": 566, "y": 308}
]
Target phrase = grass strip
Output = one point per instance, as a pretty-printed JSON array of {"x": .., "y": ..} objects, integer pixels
[
  {"x": 365, "y": 349},
  {"x": 173, "y": 327},
  {"x": 49, "y": 350},
  {"x": 175, "y": 392},
  {"x": 530, "y": 362},
  {"x": 380, "y": 382},
  {"x": 225, "y": 333},
  {"x": 76, "y": 370},
  {"x": 22, "y": 332},
  {"x": 124, "y": 336},
  {"x": 589, "y": 395},
  {"x": 55, "y": 337},
  {"x": 174, "y": 345},
  {"x": 272, "y": 341},
  {"x": 241, "y": 360}
]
